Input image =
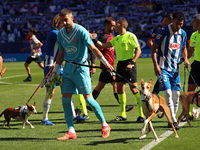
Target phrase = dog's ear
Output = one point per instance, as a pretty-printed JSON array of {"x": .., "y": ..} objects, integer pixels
[
  {"x": 27, "y": 104},
  {"x": 151, "y": 81},
  {"x": 34, "y": 104},
  {"x": 142, "y": 81}
]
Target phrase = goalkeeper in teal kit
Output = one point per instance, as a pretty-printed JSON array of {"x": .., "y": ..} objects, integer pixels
[{"x": 73, "y": 41}]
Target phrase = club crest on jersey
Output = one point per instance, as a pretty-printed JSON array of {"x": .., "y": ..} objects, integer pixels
[
  {"x": 75, "y": 40},
  {"x": 158, "y": 36},
  {"x": 180, "y": 39},
  {"x": 174, "y": 46},
  {"x": 71, "y": 49}
]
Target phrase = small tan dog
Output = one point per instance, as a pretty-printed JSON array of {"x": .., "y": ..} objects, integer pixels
[
  {"x": 21, "y": 113},
  {"x": 152, "y": 104},
  {"x": 186, "y": 99}
]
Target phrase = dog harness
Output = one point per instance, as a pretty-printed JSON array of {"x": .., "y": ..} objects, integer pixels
[
  {"x": 196, "y": 95},
  {"x": 21, "y": 110}
]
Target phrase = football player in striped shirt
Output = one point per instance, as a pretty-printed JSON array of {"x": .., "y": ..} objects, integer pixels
[{"x": 169, "y": 44}]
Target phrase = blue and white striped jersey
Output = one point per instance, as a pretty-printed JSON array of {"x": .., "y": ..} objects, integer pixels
[
  {"x": 51, "y": 48},
  {"x": 170, "y": 46}
]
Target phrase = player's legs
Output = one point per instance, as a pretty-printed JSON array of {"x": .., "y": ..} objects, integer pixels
[
  {"x": 41, "y": 65},
  {"x": 156, "y": 88},
  {"x": 114, "y": 84},
  {"x": 194, "y": 79},
  {"x": 166, "y": 85},
  {"x": 83, "y": 83},
  {"x": 82, "y": 104},
  {"x": 26, "y": 65},
  {"x": 122, "y": 101},
  {"x": 46, "y": 105},
  {"x": 98, "y": 89},
  {"x": 191, "y": 87}
]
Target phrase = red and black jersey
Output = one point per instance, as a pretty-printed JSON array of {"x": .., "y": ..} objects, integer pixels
[
  {"x": 154, "y": 32},
  {"x": 108, "y": 53}
]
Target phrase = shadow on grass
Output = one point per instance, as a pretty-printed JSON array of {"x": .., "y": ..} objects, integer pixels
[
  {"x": 26, "y": 139},
  {"x": 121, "y": 140}
]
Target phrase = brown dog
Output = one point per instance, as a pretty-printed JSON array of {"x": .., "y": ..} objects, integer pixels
[
  {"x": 186, "y": 99},
  {"x": 21, "y": 113},
  {"x": 152, "y": 104}
]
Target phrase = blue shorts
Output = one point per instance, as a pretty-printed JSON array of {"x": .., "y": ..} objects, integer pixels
[
  {"x": 79, "y": 80},
  {"x": 169, "y": 80},
  {"x": 46, "y": 70}
]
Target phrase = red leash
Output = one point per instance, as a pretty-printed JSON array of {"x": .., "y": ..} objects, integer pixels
[{"x": 39, "y": 84}]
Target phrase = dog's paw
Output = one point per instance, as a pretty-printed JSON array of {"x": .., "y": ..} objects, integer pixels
[
  {"x": 32, "y": 127},
  {"x": 142, "y": 137},
  {"x": 176, "y": 136},
  {"x": 157, "y": 140}
]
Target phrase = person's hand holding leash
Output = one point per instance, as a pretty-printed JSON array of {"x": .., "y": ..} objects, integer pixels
[{"x": 187, "y": 64}]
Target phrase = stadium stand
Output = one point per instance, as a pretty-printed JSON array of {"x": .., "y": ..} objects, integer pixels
[{"x": 17, "y": 16}]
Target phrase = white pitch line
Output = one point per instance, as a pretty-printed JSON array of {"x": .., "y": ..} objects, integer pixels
[{"x": 161, "y": 138}]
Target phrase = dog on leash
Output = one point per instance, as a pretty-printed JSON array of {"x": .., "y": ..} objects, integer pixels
[
  {"x": 21, "y": 113},
  {"x": 152, "y": 104},
  {"x": 186, "y": 99}
]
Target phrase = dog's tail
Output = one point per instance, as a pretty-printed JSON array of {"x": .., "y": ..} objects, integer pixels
[
  {"x": 1, "y": 114},
  {"x": 161, "y": 115}
]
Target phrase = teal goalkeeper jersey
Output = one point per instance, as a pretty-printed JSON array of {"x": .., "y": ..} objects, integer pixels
[{"x": 75, "y": 46}]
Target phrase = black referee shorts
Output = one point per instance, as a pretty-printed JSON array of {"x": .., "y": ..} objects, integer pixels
[
  {"x": 30, "y": 59},
  {"x": 131, "y": 75},
  {"x": 106, "y": 77},
  {"x": 195, "y": 72}
]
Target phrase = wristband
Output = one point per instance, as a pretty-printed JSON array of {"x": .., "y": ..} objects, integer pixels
[
  {"x": 132, "y": 63},
  {"x": 56, "y": 67},
  {"x": 104, "y": 61}
]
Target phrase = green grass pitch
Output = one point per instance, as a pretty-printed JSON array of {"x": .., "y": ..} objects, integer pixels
[{"x": 124, "y": 135}]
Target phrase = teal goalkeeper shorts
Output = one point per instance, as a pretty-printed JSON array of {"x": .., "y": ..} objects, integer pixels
[{"x": 79, "y": 80}]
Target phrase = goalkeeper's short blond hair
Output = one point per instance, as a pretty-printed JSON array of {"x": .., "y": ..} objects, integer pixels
[{"x": 56, "y": 21}]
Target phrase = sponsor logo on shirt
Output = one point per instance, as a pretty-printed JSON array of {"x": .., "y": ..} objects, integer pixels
[
  {"x": 174, "y": 46},
  {"x": 71, "y": 49}
]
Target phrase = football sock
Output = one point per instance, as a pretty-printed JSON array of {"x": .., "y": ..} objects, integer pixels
[
  {"x": 137, "y": 97},
  {"x": 190, "y": 110},
  {"x": 66, "y": 102},
  {"x": 95, "y": 94},
  {"x": 170, "y": 103},
  {"x": 175, "y": 98},
  {"x": 122, "y": 101},
  {"x": 96, "y": 108},
  {"x": 72, "y": 130},
  {"x": 116, "y": 96},
  {"x": 82, "y": 104},
  {"x": 46, "y": 107}
]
